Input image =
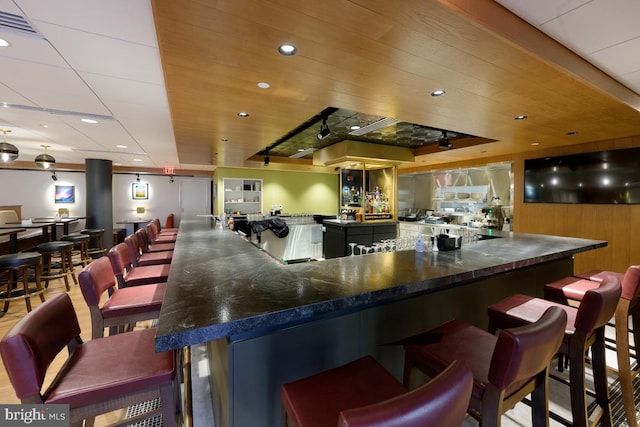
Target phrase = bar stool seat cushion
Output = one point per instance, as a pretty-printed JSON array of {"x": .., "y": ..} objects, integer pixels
[
  {"x": 83, "y": 384},
  {"x": 599, "y": 275},
  {"x": 317, "y": 400},
  {"x": 148, "y": 274},
  {"x": 155, "y": 258},
  {"x": 519, "y": 310},
  {"x": 55, "y": 246},
  {"x": 129, "y": 301},
  {"x": 93, "y": 231},
  {"x": 19, "y": 259},
  {"x": 76, "y": 238}
]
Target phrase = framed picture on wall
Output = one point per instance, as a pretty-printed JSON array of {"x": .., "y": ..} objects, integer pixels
[
  {"x": 65, "y": 194},
  {"x": 139, "y": 191}
]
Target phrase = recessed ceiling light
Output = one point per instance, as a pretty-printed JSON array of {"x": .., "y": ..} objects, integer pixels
[
  {"x": 438, "y": 92},
  {"x": 121, "y": 146},
  {"x": 223, "y": 140},
  {"x": 243, "y": 114},
  {"x": 44, "y": 125},
  {"x": 91, "y": 121},
  {"x": 264, "y": 85},
  {"x": 137, "y": 160},
  {"x": 354, "y": 127},
  {"x": 535, "y": 143},
  {"x": 4, "y": 43},
  {"x": 520, "y": 117},
  {"x": 287, "y": 49}
]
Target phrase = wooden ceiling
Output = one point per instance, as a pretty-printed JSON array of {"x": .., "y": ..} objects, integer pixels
[{"x": 379, "y": 58}]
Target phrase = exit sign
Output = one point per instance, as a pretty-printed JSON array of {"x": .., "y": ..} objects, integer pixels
[{"x": 169, "y": 170}]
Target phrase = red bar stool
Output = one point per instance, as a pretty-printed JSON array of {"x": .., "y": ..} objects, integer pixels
[
  {"x": 364, "y": 394},
  {"x": 151, "y": 258},
  {"x": 61, "y": 252},
  {"x": 155, "y": 237},
  {"x": 571, "y": 290},
  {"x": 165, "y": 230},
  {"x": 585, "y": 330},
  {"x": 99, "y": 376},
  {"x": 506, "y": 368},
  {"x": 128, "y": 275},
  {"x": 19, "y": 264},
  {"x": 146, "y": 246},
  {"x": 124, "y": 306}
]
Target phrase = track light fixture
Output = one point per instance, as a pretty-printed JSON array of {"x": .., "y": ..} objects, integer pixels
[
  {"x": 137, "y": 177},
  {"x": 266, "y": 157},
  {"x": 324, "y": 130},
  {"x": 8, "y": 152},
  {"x": 445, "y": 144},
  {"x": 44, "y": 160},
  {"x": 53, "y": 176}
]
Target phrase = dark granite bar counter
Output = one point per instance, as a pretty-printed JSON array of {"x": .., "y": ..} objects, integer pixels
[
  {"x": 265, "y": 323},
  {"x": 221, "y": 286}
]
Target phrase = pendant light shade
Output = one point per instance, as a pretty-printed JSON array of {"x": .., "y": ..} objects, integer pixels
[
  {"x": 8, "y": 152},
  {"x": 45, "y": 161}
]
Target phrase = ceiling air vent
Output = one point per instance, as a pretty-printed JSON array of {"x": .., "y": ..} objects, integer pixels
[{"x": 17, "y": 24}]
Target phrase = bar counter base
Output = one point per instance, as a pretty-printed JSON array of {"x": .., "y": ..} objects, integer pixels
[{"x": 247, "y": 372}]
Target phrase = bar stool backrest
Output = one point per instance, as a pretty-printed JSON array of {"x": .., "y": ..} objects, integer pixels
[
  {"x": 441, "y": 402},
  {"x": 120, "y": 262},
  {"x": 31, "y": 345},
  {"x": 631, "y": 284},
  {"x": 523, "y": 352},
  {"x": 598, "y": 306},
  {"x": 143, "y": 239},
  {"x": 95, "y": 279}
]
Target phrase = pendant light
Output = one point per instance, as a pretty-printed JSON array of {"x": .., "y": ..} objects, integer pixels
[
  {"x": 45, "y": 161},
  {"x": 8, "y": 152}
]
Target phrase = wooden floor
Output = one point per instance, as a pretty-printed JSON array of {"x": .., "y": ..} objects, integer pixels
[{"x": 17, "y": 310}]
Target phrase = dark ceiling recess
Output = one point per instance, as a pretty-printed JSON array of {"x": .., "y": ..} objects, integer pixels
[{"x": 303, "y": 140}]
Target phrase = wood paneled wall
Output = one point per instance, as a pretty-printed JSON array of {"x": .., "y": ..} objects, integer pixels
[{"x": 619, "y": 225}]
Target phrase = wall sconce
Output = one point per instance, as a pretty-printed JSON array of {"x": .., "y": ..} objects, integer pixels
[
  {"x": 140, "y": 211},
  {"x": 8, "y": 152},
  {"x": 45, "y": 161}
]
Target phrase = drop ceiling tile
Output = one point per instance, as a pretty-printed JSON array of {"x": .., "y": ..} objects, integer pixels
[
  {"x": 62, "y": 89},
  {"x": 620, "y": 59},
  {"x": 540, "y": 11},
  {"x": 585, "y": 31},
  {"x": 118, "y": 58},
  {"x": 118, "y": 19}
]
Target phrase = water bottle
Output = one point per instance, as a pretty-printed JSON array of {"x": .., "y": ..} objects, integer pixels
[{"x": 420, "y": 244}]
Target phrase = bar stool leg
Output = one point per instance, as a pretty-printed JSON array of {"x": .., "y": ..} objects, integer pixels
[
  {"x": 624, "y": 363},
  {"x": 9, "y": 289},
  {"x": 25, "y": 287}
]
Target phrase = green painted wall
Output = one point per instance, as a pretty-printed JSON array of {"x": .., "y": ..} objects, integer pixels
[{"x": 297, "y": 192}]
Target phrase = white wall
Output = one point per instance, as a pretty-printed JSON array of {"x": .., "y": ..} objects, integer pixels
[{"x": 34, "y": 190}]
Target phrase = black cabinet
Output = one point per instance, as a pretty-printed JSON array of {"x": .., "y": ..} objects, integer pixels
[{"x": 338, "y": 235}]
